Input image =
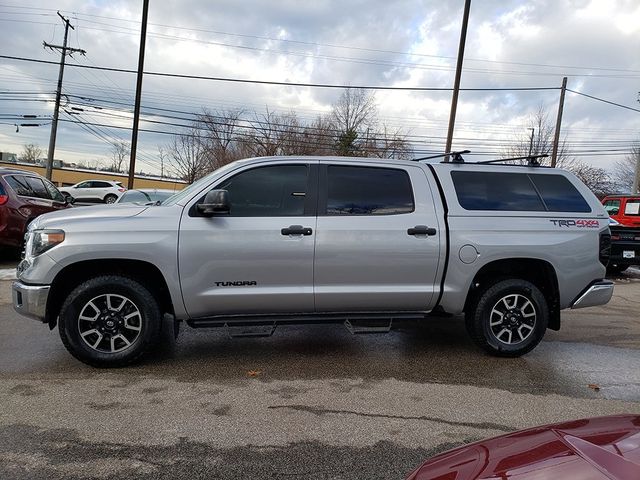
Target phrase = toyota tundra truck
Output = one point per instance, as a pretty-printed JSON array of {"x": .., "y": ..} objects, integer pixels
[{"x": 292, "y": 240}]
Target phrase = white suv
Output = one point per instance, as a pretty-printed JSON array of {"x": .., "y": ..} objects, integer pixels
[{"x": 95, "y": 190}]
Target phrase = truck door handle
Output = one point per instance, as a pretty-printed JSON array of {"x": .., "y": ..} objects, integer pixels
[
  {"x": 422, "y": 230},
  {"x": 296, "y": 230}
]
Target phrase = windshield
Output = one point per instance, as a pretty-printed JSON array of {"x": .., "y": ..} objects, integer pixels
[{"x": 195, "y": 186}]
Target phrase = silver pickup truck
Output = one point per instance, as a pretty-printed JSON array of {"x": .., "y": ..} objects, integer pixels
[{"x": 365, "y": 242}]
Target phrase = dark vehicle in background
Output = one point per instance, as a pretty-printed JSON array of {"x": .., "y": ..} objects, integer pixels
[
  {"x": 23, "y": 196},
  {"x": 624, "y": 209},
  {"x": 602, "y": 448},
  {"x": 625, "y": 247},
  {"x": 145, "y": 196}
]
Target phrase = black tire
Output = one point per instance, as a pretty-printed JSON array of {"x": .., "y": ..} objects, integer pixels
[
  {"x": 616, "y": 269},
  {"x": 111, "y": 198},
  {"x": 146, "y": 321},
  {"x": 525, "y": 331}
]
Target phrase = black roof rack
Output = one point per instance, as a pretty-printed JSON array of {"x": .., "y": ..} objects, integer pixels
[
  {"x": 532, "y": 160},
  {"x": 457, "y": 156}
]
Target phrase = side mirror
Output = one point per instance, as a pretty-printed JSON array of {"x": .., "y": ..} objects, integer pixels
[
  {"x": 216, "y": 202},
  {"x": 69, "y": 200}
]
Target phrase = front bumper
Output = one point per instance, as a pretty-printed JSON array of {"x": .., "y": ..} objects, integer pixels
[
  {"x": 30, "y": 300},
  {"x": 598, "y": 293}
]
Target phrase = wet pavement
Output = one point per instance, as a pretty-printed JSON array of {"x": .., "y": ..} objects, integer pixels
[{"x": 310, "y": 402}]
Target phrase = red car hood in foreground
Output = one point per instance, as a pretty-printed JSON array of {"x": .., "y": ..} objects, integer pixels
[{"x": 602, "y": 448}]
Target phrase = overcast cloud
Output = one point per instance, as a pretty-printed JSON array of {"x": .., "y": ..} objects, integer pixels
[{"x": 400, "y": 43}]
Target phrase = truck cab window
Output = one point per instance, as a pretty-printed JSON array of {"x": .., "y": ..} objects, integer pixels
[
  {"x": 275, "y": 191},
  {"x": 368, "y": 191}
]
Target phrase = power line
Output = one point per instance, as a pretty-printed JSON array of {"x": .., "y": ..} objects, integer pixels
[
  {"x": 604, "y": 101},
  {"x": 216, "y": 120},
  {"x": 613, "y": 151},
  {"x": 286, "y": 84},
  {"x": 313, "y": 44},
  {"x": 88, "y": 102}
]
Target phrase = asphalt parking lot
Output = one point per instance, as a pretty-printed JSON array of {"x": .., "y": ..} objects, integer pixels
[{"x": 313, "y": 403}]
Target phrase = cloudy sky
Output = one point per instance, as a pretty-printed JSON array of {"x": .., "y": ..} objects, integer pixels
[{"x": 402, "y": 43}]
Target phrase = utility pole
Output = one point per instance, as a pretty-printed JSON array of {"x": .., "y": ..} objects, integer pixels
[
  {"x": 136, "y": 110},
  {"x": 636, "y": 177},
  {"x": 533, "y": 131},
  {"x": 556, "y": 136},
  {"x": 161, "y": 155},
  {"x": 456, "y": 83},
  {"x": 64, "y": 51}
]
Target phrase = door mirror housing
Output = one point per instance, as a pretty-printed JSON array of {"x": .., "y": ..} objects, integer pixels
[{"x": 216, "y": 202}]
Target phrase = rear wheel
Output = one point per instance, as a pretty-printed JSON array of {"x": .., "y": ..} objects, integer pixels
[
  {"x": 111, "y": 198},
  {"x": 509, "y": 319},
  {"x": 109, "y": 321}
]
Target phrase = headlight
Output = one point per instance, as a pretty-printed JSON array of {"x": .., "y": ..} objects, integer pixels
[{"x": 39, "y": 241}]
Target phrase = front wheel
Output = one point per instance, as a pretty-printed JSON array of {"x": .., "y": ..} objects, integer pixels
[
  {"x": 509, "y": 319},
  {"x": 109, "y": 321},
  {"x": 110, "y": 198}
]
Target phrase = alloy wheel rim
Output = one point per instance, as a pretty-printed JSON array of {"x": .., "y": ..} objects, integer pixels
[
  {"x": 110, "y": 323},
  {"x": 512, "y": 319}
]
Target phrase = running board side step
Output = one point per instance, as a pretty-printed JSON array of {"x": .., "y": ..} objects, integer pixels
[
  {"x": 368, "y": 325},
  {"x": 265, "y": 325},
  {"x": 250, "y": 330}
]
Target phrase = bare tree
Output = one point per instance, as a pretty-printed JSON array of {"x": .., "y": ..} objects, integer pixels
[
  {"x": 356, "y": 108},
  {"x": 320, "y": 136},
  {"x": 187, "y": 153},
  {"x": 267, "y": 138},
  {"x": 625, "y": 170},
  {"x": 597, "y": 179},
  {"x": 387, "y": 144},
  {"x": 222, "y": 129},
  {"x": 30, "y": 153},
  {"x": 354, "y": 114},
  {"x": 120, "y": 151},
  {"x": 222, "y": 136},
  {"x": 543, "y": 134}
]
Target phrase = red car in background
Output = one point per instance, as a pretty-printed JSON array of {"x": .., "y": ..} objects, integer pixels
[
  {"x": 624, "y": 209},
  {"x": 23, "y": 196},
  {"x": 601, "y": 448}
]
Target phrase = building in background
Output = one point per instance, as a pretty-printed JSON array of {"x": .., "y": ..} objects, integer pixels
[{"x": 7, "y": 157}]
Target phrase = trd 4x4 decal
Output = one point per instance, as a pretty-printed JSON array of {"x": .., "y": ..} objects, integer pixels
[{"x": 576, "y": 223}]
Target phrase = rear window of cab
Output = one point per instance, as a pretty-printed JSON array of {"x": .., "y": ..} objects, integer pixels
[{"x": 508, "y": 191}]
